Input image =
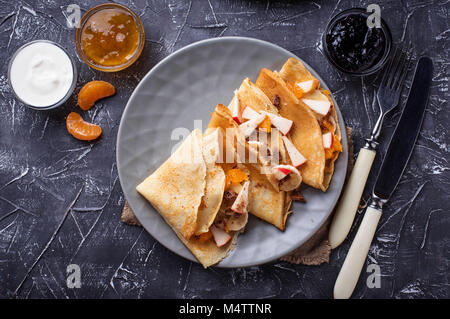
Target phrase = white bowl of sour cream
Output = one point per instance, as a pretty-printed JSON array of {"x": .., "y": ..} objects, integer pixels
[{"x": 42, "y": 75}]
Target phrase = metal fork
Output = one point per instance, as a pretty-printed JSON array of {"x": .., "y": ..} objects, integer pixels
[
  {"x": 389, "y": 92},
  {"x": 388, "y": 96}
]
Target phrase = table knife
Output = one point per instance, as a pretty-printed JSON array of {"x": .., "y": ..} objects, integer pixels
[{"x": 394, "y": 162}]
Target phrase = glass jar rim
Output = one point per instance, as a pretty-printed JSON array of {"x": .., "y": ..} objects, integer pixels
[
  {"x": 387, "y": 49},
  {"x": 113, "y": 68},
  {"x": 69, "y": 91}
]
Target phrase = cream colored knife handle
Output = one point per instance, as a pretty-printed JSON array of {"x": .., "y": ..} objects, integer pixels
[
  {"x": 356, "y": 257},
  {"x": 348, "y": 205}
]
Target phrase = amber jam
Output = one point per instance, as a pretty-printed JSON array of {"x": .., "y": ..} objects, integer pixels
[{"x": 111, "y": 37}]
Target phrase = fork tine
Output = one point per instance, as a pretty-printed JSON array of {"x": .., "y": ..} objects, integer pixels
[
  {"x": 403, "y": 72},
  {"x": 387, "y": 71},
  {"x": 394, "y": 70},
  {"x": 398, "y": 70},
  {"x": 403, "y": 67}
]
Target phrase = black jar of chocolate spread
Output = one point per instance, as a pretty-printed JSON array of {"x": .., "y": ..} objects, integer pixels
[{"x": 354, "y": 48}]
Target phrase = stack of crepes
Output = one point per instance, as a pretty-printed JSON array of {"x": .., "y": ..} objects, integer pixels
[{"x": 252, "y": 158}]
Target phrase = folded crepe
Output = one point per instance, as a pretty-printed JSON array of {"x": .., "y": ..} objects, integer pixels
[
  {"x": 306, "y": 133},
  {"x": 205, "y": 189},
  {"x": 187, "y": 191},
  {"x": 215, "y": 183},
  {"x": 265, "y": 201},
  {"x": 294, "y": 71},
  {"x": 250, "y": 95}
]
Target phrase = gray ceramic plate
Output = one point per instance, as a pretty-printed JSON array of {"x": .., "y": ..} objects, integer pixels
[{"x": 181, "y": 92}]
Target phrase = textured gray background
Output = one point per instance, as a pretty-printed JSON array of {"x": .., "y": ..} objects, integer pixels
[{"x": 60, "y": 199}]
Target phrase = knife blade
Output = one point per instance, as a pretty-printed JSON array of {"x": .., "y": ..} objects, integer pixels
[
  {"x": 394, "y": 162},
  {"x": 406, "y": 133}
]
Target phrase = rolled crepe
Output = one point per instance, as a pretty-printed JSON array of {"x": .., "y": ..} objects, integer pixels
[
  {"x": 252, "y": 96},
  {"x": 305, "y": 134},
  {"x": 207, "y": 252},
  {"x": 176, "y": 188},
  {"x": 265, "y": 201},
  {"x": 187, "y": 191},
  {"x": 215, "y": 182},
  {"x": 295, "y": 71}
]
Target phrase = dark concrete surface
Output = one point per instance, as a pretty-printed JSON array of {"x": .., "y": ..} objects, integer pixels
[{"x": 60, "y": 199}]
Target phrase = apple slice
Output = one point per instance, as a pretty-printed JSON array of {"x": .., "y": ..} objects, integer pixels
[
  {"x": 241, "y": 202},
  {"x": 319, "y": 106},
  {"x": 291, "y": 183},
  {"x": 327, "y": 140},
  {"x": 283, "y": 124},
  {"x": 236, "y": 222},
  {"x": 285, "y": 171},
  {"x": 308, "y": 86},
  {"x": 280, "y": 172},
  {"x": 249, "y": 113},
  {"x": 235, "y": 108},
  {"x": 220, "y": 236},
  {"x": 256, "y": 143},
  {"x": 248, "y": 127},
  {"x": 296, "y": 157}
]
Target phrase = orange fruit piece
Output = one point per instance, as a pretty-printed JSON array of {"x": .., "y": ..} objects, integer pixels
[
  {"x": 298, "y": 92},
  {"x": 336, "y": 147},
  {"x": 93, "y": 91},
  {"x": 205, "y": 236},
  {"x": 234, "y": 176},
  {"x": 80, "y": 129},
  {"x": 266, "y": 125}
]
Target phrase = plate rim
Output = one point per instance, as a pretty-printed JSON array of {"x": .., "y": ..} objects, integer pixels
[{"x": 341, "y": 122}]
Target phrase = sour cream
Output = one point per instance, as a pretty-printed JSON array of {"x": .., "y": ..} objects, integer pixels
[{"x": 42, "y": 74}]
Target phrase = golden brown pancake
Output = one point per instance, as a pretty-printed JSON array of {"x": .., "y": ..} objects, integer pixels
[
  {"x": 295, "y": 71},
  {"x": 305, "y": 134},
  {"x": 176, "y": 188},
  {"x": 265, "y": 202},
  {"x": 215, "y": 182},
  {"x": 187, "y": 191}
]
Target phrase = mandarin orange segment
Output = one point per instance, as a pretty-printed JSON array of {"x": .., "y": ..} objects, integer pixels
[
  {"x": 266, "y": 125},
  {"x": 205, "y": 236},
  {"x": 234, "y": 176},
  {"x": 298, "y": 92},
  {"x": 227, "y": 183},
  {"x": 93, "y": 91},
  {"x": 80, "y": 129},
  {"x": 336, "y": 147}
]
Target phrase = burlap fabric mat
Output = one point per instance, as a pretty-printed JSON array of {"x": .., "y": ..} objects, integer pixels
[{"x": 314, "y": 252}]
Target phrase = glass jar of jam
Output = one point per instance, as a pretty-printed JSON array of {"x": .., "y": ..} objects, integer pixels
[
  {"x": 354, "y": 48},
  {"x": 110, "y": 38}
]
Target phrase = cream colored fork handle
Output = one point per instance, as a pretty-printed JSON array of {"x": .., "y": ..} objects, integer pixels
[
  {"x": 348, "y": 205},
  {"x": 356, "y": 257}
]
